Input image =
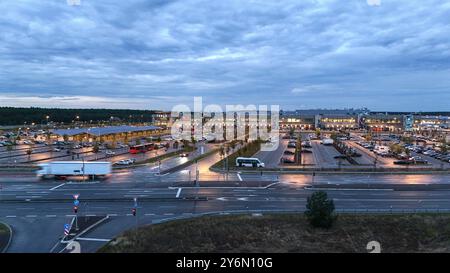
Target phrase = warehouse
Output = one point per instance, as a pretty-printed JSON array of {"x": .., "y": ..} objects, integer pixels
[{"x": 107, "y": 134}]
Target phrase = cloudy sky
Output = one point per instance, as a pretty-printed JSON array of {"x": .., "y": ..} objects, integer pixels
[{"x": 153, "y": 54}]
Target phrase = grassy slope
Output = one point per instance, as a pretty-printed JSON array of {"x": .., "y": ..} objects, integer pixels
[
  {"x": 4, "y": 236},
  {"x": 290, "y": 233}
]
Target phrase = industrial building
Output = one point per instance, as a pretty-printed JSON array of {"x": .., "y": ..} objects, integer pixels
[{"x": 107, "y": 134}]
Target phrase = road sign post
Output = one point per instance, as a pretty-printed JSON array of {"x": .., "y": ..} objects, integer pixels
[
  {"x": 134, "y": 212},
  {"x": 76, "y": 203},
  {"x": 66, "y": 229}
]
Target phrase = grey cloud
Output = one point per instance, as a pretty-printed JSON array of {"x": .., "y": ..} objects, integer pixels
[{"x": 333, "y": 53}]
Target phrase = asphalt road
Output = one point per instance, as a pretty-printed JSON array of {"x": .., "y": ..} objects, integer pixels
[
  {"x": 37, "y": 210},
  {"x": 46, "y": 219}
]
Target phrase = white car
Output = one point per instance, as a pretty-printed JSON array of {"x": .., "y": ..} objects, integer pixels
[
  {"x": 57, "y": 150},
  {"x": 123, "y": 162},
  {"x": 110, "y": 153},
  {"x": 131, "y": 160}
]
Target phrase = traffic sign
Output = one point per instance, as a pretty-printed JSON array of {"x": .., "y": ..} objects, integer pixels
[
  {"x": 76, "y": 202},
  {"x": 135, "y": 202},
  {"x": 75, "y": 196},
  {"x": 66, "y": 229}
]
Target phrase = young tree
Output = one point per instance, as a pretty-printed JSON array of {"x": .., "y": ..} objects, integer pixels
[
  {"x": 9, "y": 148},
  {"x": 298, "y": 151},
  {"x": 233, "y": 145},
  {"x": 96, "y": 148},
  {"x": 291, "y": 131},
  {"x": 29, "y": 152},
  {"x": 320, "y": 210},
  {"x": 318, "y": 132},
  {"x": 444, "y": 146}
]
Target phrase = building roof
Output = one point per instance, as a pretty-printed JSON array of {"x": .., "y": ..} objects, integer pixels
[{"x": 100, "y": 131}]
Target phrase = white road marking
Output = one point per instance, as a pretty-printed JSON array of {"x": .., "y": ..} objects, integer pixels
[
  {"x": 31, "y": 216},
  {"x": 168, "y": 213},
  {"x": 53, "y": 248},
  {"x": 11, "y": 216},
  {"x": 60, "y": 185},
  {"x": 52, "y": 215},
  {"x": 93, "y": 239},
  {"x": 149, "y": 214},
  {"x": 112, "y": 214},
  {"x": 239, "y": 176},
  {"x": 179, "y": 192}
]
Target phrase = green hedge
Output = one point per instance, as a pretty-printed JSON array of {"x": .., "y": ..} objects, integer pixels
[{"x": 247, "y": 151}]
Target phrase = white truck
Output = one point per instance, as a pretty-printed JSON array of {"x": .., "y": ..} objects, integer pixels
[
  {"x": 61, "y": 169},
  {"x": 327, "y": 141}
]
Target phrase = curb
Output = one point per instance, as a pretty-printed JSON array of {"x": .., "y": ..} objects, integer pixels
[
  {"x": 343, "y": 171},
  {"x": 10, "y": 238},
  {"x": 231, "y": 187}
]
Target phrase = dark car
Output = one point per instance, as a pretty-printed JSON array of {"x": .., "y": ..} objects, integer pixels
[
  {"x": 403, "y": 162},
  {"x": 289, "y": 152},
  {"x": 287, "y": 160}
]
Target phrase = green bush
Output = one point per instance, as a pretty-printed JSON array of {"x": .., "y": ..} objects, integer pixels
[{"x": 320, "y": 210}]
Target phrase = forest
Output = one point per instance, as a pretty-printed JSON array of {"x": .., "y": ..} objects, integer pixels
[{"x": 19, "y": 116}]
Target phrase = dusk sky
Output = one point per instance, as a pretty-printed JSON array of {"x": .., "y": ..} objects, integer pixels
[{"x": 155, "y": 54}]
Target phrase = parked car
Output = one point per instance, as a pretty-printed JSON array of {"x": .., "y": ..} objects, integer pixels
[
  {"x": 287, "y": 159},
  {"x": 292, "y": 145},
  {"x": 110, "y": 152}
]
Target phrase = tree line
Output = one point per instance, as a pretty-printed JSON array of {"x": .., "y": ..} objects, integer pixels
[{"x": 19, "y": 116}]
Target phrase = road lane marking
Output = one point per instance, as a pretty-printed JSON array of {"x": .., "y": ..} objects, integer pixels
[
  {"x": 52, "y": 215},
  {"x": 93, "y": 239},
  {"x": 239, "y": 176},
  {"x": 31, "y": 216},
  {"x": 60, "y": 185},
  {"x": 168, "y": 213},
  {"x": 149, "y": 214},
  {"x": 11, "y": 216},
  {"x": 113, "y": 214},
  {"x": 179, "y": 192}
]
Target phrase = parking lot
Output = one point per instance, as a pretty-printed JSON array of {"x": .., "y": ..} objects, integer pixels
[
  {"x": 41, "y": 153},
  {"x": 364, "y": 154}
]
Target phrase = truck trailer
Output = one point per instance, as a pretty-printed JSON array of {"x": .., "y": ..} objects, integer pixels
[
  {"x": 327, "y": 141},
  {"x": 61, "y": 169}
]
